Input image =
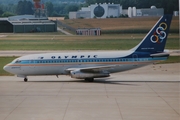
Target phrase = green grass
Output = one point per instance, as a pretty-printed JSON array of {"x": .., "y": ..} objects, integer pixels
[
  {"x": 60, "y": 42},
  {"x": 121, "y": 25},
  {"x": 3, "y": 62},
  {"x": 6, "y": 60},
  {"x": 67, "y": 45},
  {"x": 171, "y": 59}
]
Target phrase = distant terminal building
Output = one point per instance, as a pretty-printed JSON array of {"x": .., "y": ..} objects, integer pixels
[
  {"x": 153, "y": 11},
  {"x": 113, "y": 10},
  {"x": 89, "y": 31},
  {"x": 97, "y": 11},
  {"x": 27, "y": 24}
]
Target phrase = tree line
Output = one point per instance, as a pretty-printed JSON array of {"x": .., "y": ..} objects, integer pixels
[
  {"x": 168, "y": 5},
  {"x": 26, "y": 7},
  {"x": 6, "y": 2},
  {"x": 55, "y": 8},
  {"x": 23, "y": 7}
]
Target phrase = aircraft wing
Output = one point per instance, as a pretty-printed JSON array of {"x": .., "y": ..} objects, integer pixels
[{"x": 92, "y": 69}]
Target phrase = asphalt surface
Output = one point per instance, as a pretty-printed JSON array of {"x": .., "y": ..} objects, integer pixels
[{"x": 148, "y": 93}]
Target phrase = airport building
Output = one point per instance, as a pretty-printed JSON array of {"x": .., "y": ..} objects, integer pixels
[
  {"x": 27, "y": 24},
  {"x": 114, "y": 10},
  {"x": 97, "y": 11},
  {"x": 153, "y": 11}
]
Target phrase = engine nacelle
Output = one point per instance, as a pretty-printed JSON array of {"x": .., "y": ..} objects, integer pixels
[{"x": 82, "y": 75}]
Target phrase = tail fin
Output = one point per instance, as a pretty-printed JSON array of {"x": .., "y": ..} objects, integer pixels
[{"x": 155, "y": 40}]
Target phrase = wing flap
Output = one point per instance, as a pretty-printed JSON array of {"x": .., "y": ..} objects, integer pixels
[{"x": 92, "y": 69}]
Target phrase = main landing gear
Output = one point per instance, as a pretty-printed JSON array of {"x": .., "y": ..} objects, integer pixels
[
  {"x": 25, "y": 79},
  {"x": 89, "y": 79}
]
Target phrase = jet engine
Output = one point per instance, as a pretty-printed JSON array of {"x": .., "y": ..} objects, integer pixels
[{"x": 82, "y": 75}]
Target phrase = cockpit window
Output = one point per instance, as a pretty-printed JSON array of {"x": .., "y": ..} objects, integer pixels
[
  {"x": 18, "y": 61},
  {"x": 14, "y": 61}
]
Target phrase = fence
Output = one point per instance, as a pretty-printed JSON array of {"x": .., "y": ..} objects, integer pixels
[{"x": 66, "y": 26}]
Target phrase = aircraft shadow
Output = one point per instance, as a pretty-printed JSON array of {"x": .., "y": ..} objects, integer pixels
[
  {"x": 105, "y": 81},
  {"x": 98, "y": 81}
]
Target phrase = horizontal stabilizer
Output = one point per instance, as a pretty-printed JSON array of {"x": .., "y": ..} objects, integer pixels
[{"x": 159, "y": 55}]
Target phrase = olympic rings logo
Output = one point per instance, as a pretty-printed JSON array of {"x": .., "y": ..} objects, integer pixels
[{"x": 159, "y": 35}]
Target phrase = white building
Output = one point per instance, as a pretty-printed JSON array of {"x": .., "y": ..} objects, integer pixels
[
  {"x": 153, "y": 11},
  {"x": 79, "y": 14},
  {"x": 98, "y": 11},
  {"x": 114, "y": 10}
]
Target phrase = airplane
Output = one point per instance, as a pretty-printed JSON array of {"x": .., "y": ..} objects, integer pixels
[{"x": 90, "y": 65}]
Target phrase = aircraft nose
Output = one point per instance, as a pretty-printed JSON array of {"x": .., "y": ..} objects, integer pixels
[{"x": 6, "y": 68}]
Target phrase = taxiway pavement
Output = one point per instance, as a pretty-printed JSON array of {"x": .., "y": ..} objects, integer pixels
[{"x": 148, "y": 93}]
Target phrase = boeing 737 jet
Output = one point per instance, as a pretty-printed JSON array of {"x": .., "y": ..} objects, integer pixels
[{"x": 90, "y": 65}]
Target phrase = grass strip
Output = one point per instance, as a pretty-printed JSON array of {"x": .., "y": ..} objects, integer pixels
[{"x": 88, "y": 43}]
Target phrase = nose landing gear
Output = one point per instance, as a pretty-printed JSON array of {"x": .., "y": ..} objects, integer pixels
[{"x": 25, "y": 79}]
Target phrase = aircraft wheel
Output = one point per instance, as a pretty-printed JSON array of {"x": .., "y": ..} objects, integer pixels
[
  {"x": 25, "y": 79},
  {"x": 89, "y": 79}
]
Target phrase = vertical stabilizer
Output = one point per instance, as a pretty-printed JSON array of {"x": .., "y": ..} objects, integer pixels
[{"x": 155, "y": 40}]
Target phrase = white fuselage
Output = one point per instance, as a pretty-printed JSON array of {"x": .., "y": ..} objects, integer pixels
[{"x": 58, "y": 63}]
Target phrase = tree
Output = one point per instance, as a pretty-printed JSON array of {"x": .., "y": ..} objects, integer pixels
[
  {"x": 91, "y": 1},
  {"x": 55, "y": 14},
  {"x": 24, "y": 7},
  {"x": 170, "y": 6},
  {"x": 66, "y": 17},
  {"x": 1, "y": 11},
  {"x": 60, "y": 8},
  {"x": 20, "y": 8},
  {"x": 71, "y": 7},
  {"x": 7, "y": 14},
  {"x": 50, "y": 8},
  {"x": 28, "y": 8}
]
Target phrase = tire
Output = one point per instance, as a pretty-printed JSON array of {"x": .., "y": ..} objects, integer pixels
[
  {"x": 89, "y": 79},
  {"x": 25, "y": 79}
]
